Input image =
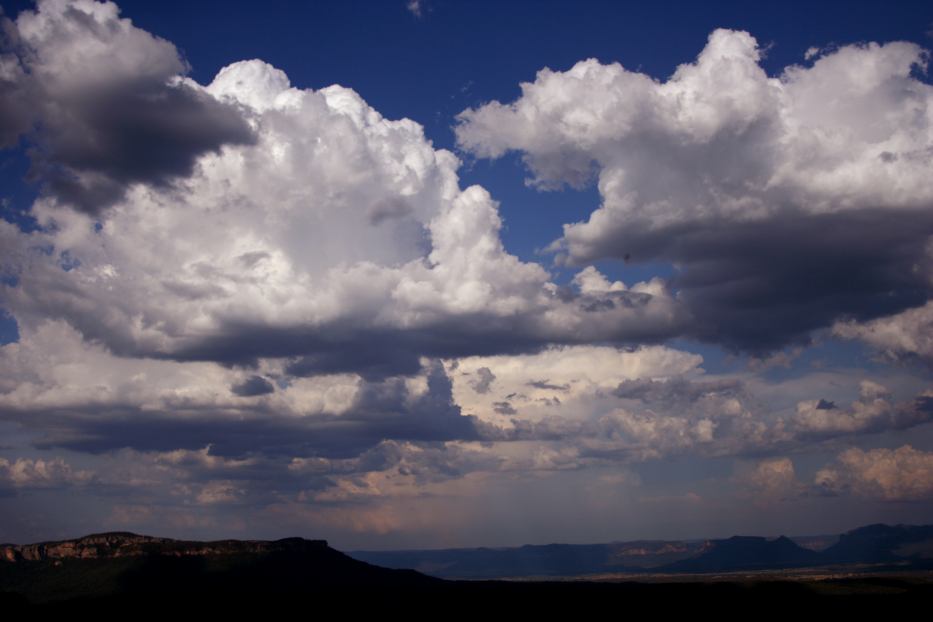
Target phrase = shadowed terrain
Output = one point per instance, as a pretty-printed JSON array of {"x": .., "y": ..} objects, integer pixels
[
  {"x": 126, "y": 570},
  {"x": 883, "y": 546}
]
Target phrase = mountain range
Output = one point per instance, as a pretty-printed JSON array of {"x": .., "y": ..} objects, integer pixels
[
  {"x": 127, "y": 570},
  {"x": 896, "y": 546}
]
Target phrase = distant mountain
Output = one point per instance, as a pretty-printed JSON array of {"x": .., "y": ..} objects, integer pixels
[
  {"x": 747, "y": 553},
  {"x": 547, "y": 560},
  {"x": 883, "y": 543},
  {"x": 876, "y": 544}
]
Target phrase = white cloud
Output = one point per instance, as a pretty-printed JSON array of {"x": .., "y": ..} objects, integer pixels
[
  {"x": 872, "y": 411},
  {"x": 771, "y": 480},
  {"x": 720, "y": 138},
  {"x": 41, "y": 473},
  {"x": 902, "y": 336},
  {"x": 578, "y": 376},
  {"x": 218, "y": 492},
  {"x": 337, "y": 227},
  {"x": 901, "y": 474},
  {"x": 787, "y": 202}
]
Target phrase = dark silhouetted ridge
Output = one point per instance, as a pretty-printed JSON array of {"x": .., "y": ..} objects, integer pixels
[
  {"x": 132, "y": 572},
  {"x": 126, "y": 564},
  {"x": 881, "y": 544},
  {"x": 747, "y": 553}
]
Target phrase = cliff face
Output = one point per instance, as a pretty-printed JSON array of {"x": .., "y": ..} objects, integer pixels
[{"x": 124, "y": 544}]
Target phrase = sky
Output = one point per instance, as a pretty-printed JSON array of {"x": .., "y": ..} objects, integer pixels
[{"x": 433, "y": 274}]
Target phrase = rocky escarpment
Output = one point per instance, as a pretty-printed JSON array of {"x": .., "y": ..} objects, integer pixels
[
  {"x": 126, "y": 569},
  {"x": 125, "y": 544}
]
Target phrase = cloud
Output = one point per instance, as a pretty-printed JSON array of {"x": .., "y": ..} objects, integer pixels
[
  {"x": 24, "y": 473},
  {"x": 574, "y": 374},
  {"x": 484, "y": 378},
  {"x": 786, "y": 202},
  {"x": 314, "y": 316},
  {"x": 873, "y": 411},
  {"x": 82, "y": 397},
  {"x": 109, "y": 101},
  {"x": 904, "y": 336},
  {"x": 416, "y": 7},
  {"x": 654, "y": 402},
  {"x": 271, "y": 250},
  {"x": 201, "y": 458},
  {"x": 253, "y": 386},
  {"x": 771, "y": 480},
  {"x": 676, "y": 390},
  {"x": 15, "y": 109},
  {"x": 176, "y": 428},
  {"x": 902, "y": 474}
]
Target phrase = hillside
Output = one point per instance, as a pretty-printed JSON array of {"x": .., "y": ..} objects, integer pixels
[{"x": 126, "y": 564}]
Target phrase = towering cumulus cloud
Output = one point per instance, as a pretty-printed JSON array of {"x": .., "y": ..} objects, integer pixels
[
  {"x": 787, "y": 202},
  {"x": 334, "y": 235},
  {"x": 314, "y": 239}
]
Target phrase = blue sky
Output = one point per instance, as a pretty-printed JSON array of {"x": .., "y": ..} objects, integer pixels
[{"x": 687, "y": 280}]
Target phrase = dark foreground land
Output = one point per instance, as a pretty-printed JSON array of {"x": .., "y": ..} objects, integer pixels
[{"x": 130, "y": 573}]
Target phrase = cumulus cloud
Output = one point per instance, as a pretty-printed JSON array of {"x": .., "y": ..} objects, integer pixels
[
  {"x": 176, "y": 427},
  {"x": 904, "y": 336},
  {"x": 902, "y": 474},
  {"x": 25, "y": 473},
  {"x": 874, "y": 410},
  {"x": 573, "y": 374},
  {"x": 297, "y": 305},
  {"x": 771, "y": 480},
  {"x": 630, "y": 407},
  {"x": 787, "y": 202},
  {"x": 109, "y": 101},
  {"x": 82, "y": 397},
  {"x": 611, "y": 405},
  {"x": 272, "y": 250}
]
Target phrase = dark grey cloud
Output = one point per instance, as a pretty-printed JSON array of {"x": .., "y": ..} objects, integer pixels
[
  {"x": 382, "y": 410},
  {"x": 93, "y": 145},
  {"x": 338, "y": 348},
  {"x": 16, "y": 115},
  {"x": 106, "y": 103},
  {"x": 483, "y": 381},
  {"x": 374, "y": 359},
  {"x": 676, "y": 390},
  {"x": 760, "y": 285},
  {"x": 544, "y": 384},
  {"x": 786, "y": 202},
  {"x": 253, "y": 386}
]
